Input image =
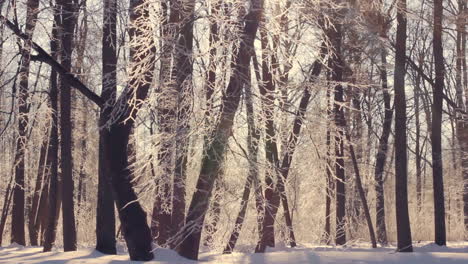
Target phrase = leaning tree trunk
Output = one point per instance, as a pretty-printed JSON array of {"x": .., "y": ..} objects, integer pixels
[
  {"x": 132, "y": 217},
  {"x": 105, "y": 213},
  {"x": 404, "y": 243},
  {"x": 211, "y": 162},
  {"x": 436, "y": 135},
  {"x": 17, "y": 226}
]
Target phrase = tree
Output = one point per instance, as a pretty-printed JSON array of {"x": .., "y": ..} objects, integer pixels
[
  {"x": 54, "y": 199},
  {"x": 215, "y": 150},
  {"x": 17, "y": 226},
  {"x": 105, "y": 213},
  {"x": 336, "y": 65},
  {"x": 68, "y": 16},
  {"x": 436, "y": 135},
  {"x": 142, "y": 53},
  {"x": 401, "y": 163}
]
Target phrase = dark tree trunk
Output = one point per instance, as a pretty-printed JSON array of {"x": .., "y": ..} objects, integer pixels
[
  {"x": 52, "y": 154},
  {"x": 329, "y": 180},
  {"x": 132, "y": 217},
  {"x": 382, "y": 152},
  {"x": 436, "y": 135},
  {"x": 327, "y": 236},
  {"x": 212, "y": 160},
  {"x": 272, "y": 195},
  {"x": 17, "y": 226},
  {"x": 404, "y": 243},
  {"x": 105, "y": 213},
  {"x": 336, "y": 66},
  {"x": 461, "y": 86},
  {"x": 68, "y": 15}
]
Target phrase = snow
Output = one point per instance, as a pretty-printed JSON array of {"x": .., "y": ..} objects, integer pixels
[{"x": 425, "y": 253}]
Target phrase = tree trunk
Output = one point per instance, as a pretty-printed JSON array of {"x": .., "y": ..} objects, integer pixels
[
  {"x": 52, "y": 154},
  {"x": 17, "y": 226},
  {"x": 382, "y": 152},
  {"x": 105, "y": 213},
  {"x": 336, "y": 66},
  {"x": 68, "y": 15},
  {"x": 272, "y": 195},
  {"x": 436, "y": 135},
  {"x": 215, "y": 150},
  {"x": 404, "y": 243},
  {"x": 132, "y": 217},
  {"x": 460, "y": 86}
]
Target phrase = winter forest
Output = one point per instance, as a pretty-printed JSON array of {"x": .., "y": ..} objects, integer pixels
[{"x": 233, "y": 131}]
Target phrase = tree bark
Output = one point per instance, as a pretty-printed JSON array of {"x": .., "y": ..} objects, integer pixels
[
  {"x": 329, "y": 175},
  {"x": 337, "y": 67},
  {"x": 382, "y": 152},
  {"x": 52, "y": 155},
  {"x": 272, "y": 196},
  {"x": 460, "y": 86},
  {"x": 17, "y": 226},
  {"x": 436, "y": 135},
  {"x": 105, "y": 213},
  {"x": 68, "y": 13},
  {"x": 404, "y": 243},
  {"x": 215, "y": 150},
  {"x": 132, "y": 217}
]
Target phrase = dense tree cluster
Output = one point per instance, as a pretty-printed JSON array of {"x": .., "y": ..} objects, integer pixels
[{"x": 205, "y": 124}]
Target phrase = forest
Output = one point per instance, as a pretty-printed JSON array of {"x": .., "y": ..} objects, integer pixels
[{"x": 134, "y": 127}]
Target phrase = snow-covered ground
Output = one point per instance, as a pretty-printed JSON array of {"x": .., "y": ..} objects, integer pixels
[{"x": 455, "y": 253}]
